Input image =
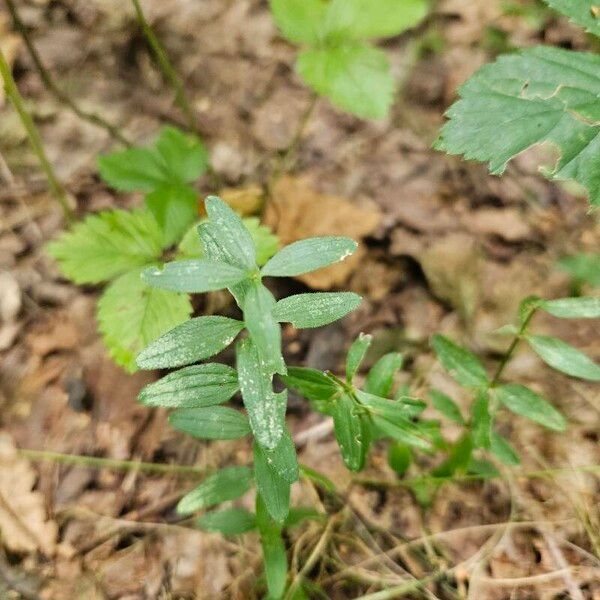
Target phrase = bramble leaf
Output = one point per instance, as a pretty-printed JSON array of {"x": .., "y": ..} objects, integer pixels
[
  {"x": 354, "y": 76},
  {"x": 195, "y": 276},
  {"x": 380, "y": 379},
  {"x": 211, "y": 423},
  {"x": 266, "y": 409},
  {"x": 315, "y": 309},
  {"x": 272, "y": 488},
  {"x": 363, "y": 19},
  {"x": 305, "y": 256},
  {"x": 539, "y": 95},
  {"x": 564, "y": 358},
  {"x": 227, "y": 484},
  {"x": 194, "y": 340},
  {"x": 230, "y": 521},
  {"x": 131, "y": 315},
  {"x": 582, "y": 12},
  {"x": 311, "y": 383},
  {"x": 446, "y": 406},
  {"x": 300, "y": 21},
  {"x": 573, "y": 308},
  {"x": 106, "y": 245},
  {"x": 192, "y": 387},
  {"x": 184, "y": 156},
  {"x": 525, "y": 402},
  {"x": 463, "y": 365},
  {"x": 356, "y": 355}
]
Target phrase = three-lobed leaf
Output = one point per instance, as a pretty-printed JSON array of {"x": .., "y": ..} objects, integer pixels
[
  {"x": 300, "y": 21},
  {"x": 227, "y": 484},
  {"x": 211, "y": 423},
  {"x": 463, "y": 365},
  {"x": 315, "y": 309}
]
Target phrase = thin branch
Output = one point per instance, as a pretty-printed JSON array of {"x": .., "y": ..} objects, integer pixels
[
  {"x": 91, "y": 117},
  {"x": 34, "y": 137}
]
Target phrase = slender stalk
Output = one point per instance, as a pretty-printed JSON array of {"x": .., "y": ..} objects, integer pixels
[
  {"x": 166, "y": 67},
  {"x": 109, "y": 463},
  {"x": 89, "y": 116},
  {"x": 33, "y": 135}
]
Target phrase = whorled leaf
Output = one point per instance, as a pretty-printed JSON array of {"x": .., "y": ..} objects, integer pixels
[{"x": 315, "y": 309}]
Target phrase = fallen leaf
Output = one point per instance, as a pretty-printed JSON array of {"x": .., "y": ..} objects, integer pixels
[
  {"x": 23, "y": 521},
  {"x": 296, "y": 211},
  {"x": 246, "y": 200},
  {"x": 508, "y": 223}
]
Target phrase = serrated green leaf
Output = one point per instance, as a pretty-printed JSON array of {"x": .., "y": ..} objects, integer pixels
[
  {"x": 582, "y": 12},
  {"x": 300, "y": 21},
  {"x": 564, "y": 358},
  {"x": 273, "y": 549},
  {"x": 445, "y": 405},
  {"x": 500, "y": 447},
  {"x": 380, "y": 379},
  {"x": 184, "y": 156},
  {"x": 234, "y": 239},
  {"x": 195, "y": 276},
  {"x": 573, "y": 308},
  {"x": 463, "y": 365},
  {"x": 310, "y": 383},
  {"x": 266, "y": 409},
  {"x": 481, "y": 420},
  {"x": 539, "y": 95},
  {"x": 356, "y": 355},
  {"x": 399, "y": 457},
  {"x": 352, "y": 432},
  {"x": 583, "y": 268},
  {"x": 131, "y": 315},
  {"x": 192, "y": 387},
  {"x": 273, "y": 489},
  {"x": 525, "y": 402},
  {"x": 134, "y": 169},
  {"x": 174, "y": 207},
  {"x": 309, "y": 255},
  {"x": 194, "y": 340},
  {"x": 363, "y": 19},
  {"x": 227, "y": 484},
  {"x": 106, "y": 245},
  {"x": 354, "y": 76},
  {"x": 264, "y": 330},
  {"x": 315, "y": 309},
  {"x": 211, "y": 422},
  {"x": 231, "y": 521}
]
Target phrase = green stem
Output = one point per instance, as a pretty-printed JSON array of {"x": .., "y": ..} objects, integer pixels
[
  {"x": 110, "y": 463},
  {"x": 166, "y": 67},
  {"x": 33, "y": 135},
  {"x": 89, "y": 116}
]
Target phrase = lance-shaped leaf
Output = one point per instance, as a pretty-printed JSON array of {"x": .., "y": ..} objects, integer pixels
[
  {"x": 525, "y": 402},
  {"x": 194, "y": 340},
  {"x": 227, "y": 484},
  {"x": 356, "y": 355},
  {"x": 194, "y": 276},
  {"x": 582, "y": 12},
  {"x": 211, "y": 423},
  {"x": 192, "y": 387},
  {"x": 391, "y": 409},
  {"x": 315, "y": 310},
  {"x": 463, "y": 365},
  {"x": 564, "y": 358},
  {"x": 354, "y": 76},
  {"x": 446, "y": 406},
  {"x": 264, "y": 330},
  {"x": 300, "y": 21},
  {"x": 500, "y": 447},
  {"x": 232, "y": 236},
  {"x": 282, "y": 459},
  {"x": 399, "y": 457},
  {"x": 273, "y": 549},
  {"x": 363, "y": 19},
  {"x": 272, "y": 488},
  {"x": 540, "y": 95},
  {"x": 309, "y": 255},
  {"x": 481, "y": 420},
  {"x": 380, "y": 379},
  {"x": 310, "y": 383},
  {"x": 266, "y": 409},
  {"x": 230, "y": 521},
  {"x": 352, "y": 432},
  {"x": 573, "y": 308}
]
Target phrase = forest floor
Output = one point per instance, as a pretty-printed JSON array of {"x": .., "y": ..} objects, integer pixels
[{"x": 445, "y": 248}]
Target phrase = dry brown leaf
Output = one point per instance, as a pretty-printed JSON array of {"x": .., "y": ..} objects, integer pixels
[
  {"x": 246, "y": 200},
  {"x": 9, "y": 44},
  {"x": 297, "y": 211},
  {"x": 23, "y": 520}
]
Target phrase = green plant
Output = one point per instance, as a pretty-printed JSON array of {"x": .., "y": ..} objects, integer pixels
[
  {"x": 337, "y": 60},
  {"x": 115, "y": 246},
  {"x": 583, "y": 268},
  {"x": 538, "y": 95}
]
